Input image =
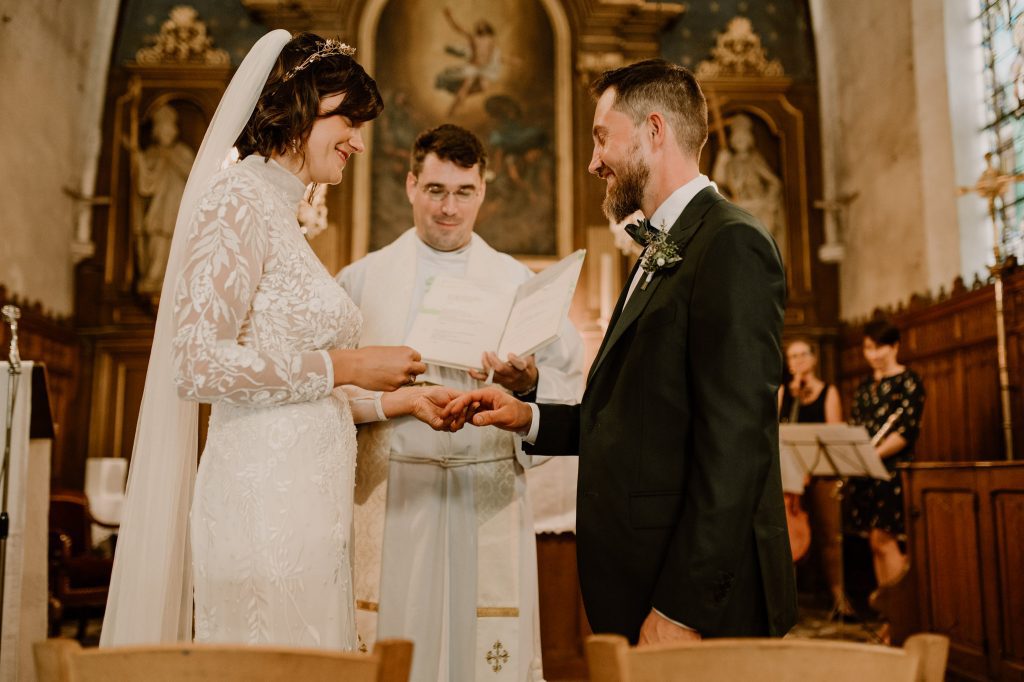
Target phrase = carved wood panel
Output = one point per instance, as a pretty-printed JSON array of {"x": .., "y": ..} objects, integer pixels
[
  {"x": 940, "y": 377},
  {"x": 952, "y": 535},
  {"x": 119, "y": 377},
  {"x": 966, "y": 556},
  {"x": 1008, "y": 517},
  {"x": 980, "y": 385}
]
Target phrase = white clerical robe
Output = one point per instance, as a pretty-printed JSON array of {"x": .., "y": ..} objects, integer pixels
[{"x": 444, "y": 545}]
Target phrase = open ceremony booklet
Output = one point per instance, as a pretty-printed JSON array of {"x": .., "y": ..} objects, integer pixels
[{"x": 460, "y": 319}]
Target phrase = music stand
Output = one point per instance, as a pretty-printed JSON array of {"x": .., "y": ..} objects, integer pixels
[{"x": 832, "y": 450}]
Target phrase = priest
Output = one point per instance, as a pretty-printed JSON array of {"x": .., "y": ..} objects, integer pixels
[{"x": 443, "y": 543}]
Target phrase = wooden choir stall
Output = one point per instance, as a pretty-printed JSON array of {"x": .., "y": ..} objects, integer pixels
[{"x": 963, "y": 497}]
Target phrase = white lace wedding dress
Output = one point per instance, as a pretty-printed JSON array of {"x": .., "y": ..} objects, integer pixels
[{"x": 271, "y": 517}]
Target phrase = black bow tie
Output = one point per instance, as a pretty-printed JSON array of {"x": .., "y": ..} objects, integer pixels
[{"x": 641, "y": 232}]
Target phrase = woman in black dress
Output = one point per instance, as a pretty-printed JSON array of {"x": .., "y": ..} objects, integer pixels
[
  {"x": 807, "y": 399},
  {"x": 890, "y": 400}
]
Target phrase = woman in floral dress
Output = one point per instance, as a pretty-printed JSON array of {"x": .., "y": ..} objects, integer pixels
[{"x": 892, "y": 398}]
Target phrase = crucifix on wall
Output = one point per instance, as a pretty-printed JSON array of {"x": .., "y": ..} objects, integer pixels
[{"x": 836, "y": 212}]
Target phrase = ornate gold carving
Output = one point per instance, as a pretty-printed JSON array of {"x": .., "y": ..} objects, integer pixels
[
  {"x": 183, "y": 39},
  {"x": 497, "y": 656},
  {"x": 738, "y": 52}
]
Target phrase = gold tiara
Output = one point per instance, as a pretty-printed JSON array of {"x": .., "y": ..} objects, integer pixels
[{"x": 330, "y": 48}]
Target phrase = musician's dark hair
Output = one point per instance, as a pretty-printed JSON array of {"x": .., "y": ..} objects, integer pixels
[
  {"x": 448, "y": 142},
  {"x": 882, "y": 332},
  {"x": 658, "y": 85}
]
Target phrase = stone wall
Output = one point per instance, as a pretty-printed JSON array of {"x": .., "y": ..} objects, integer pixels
[
  {"x": 50, "y": 55},
  {"x": 886, "y": 124}
]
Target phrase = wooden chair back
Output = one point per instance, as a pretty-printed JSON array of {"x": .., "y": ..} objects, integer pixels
[
  {"x": 923, "y": 659},
  {"x": 60, "y": 660},
  {"x": 52, "y": 657}
]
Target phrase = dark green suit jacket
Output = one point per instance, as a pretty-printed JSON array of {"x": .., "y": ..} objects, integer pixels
[{"x": 679, "y": 504}]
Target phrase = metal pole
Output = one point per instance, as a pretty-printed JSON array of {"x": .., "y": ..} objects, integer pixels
[
  {"x": 10, "y": 315},
  {"x": 1004, "y": 374},
  {"x": 991, "y": 186}
]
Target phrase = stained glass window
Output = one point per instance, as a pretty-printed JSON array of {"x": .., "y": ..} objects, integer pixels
[{"x": 1002, "y": 32}]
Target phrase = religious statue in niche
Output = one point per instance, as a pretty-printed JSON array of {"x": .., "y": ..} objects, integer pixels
[
  {"x": 164, "y": 118},
  {"x": 160, "y": 171},
  {"x": 742, "y": 172}
]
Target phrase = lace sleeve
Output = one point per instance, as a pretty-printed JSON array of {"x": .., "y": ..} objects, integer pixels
[
  {"x": 366, "y": 405},
  {"x": 224, "y": 258}
]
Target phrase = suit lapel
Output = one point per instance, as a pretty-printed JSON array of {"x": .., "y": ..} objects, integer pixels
[{"x": 681, "y": 233}]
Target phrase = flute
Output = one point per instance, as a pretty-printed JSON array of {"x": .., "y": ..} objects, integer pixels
[{"x": 886, "y": 427}]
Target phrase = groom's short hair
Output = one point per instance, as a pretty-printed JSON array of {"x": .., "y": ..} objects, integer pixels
[
  {"x": 658, "y": 85},
  {"x": 450, "y": 143}
]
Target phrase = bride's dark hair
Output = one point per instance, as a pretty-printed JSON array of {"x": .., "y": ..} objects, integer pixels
[{"x": 290, "y": 102}]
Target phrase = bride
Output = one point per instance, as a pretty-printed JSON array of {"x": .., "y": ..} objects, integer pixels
[{"x": 253, "y": 323}]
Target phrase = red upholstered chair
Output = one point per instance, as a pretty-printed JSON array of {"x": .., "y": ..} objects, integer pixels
[{"x": 79, "y": 574}]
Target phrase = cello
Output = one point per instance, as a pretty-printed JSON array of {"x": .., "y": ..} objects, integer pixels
[{"x": 797, "y": 523}]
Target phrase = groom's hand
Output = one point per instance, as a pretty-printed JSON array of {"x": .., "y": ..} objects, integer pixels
[
  {"x": 659, "y": 630},
  {"x": 491, "y": 407}
]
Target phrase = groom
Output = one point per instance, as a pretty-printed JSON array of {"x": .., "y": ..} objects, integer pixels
[{"x": 681, "y": 532}]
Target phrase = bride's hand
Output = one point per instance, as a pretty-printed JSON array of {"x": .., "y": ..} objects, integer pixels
[
  {"x": 376, "y": 368},
  {"x": 429, "y": 405},
  {"x": 426, "y": 403}
]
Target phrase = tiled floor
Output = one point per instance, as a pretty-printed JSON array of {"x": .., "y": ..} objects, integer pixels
[{"x": 816, "y": 624}]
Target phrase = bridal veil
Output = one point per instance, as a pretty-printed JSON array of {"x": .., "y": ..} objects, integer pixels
[{"x": 150, "y": 598}]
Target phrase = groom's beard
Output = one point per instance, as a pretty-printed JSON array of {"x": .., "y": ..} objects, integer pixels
[{"x": 625, "y": 197}]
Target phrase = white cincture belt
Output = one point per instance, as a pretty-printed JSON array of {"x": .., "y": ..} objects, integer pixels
[{"x": 449, "y": 462}]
